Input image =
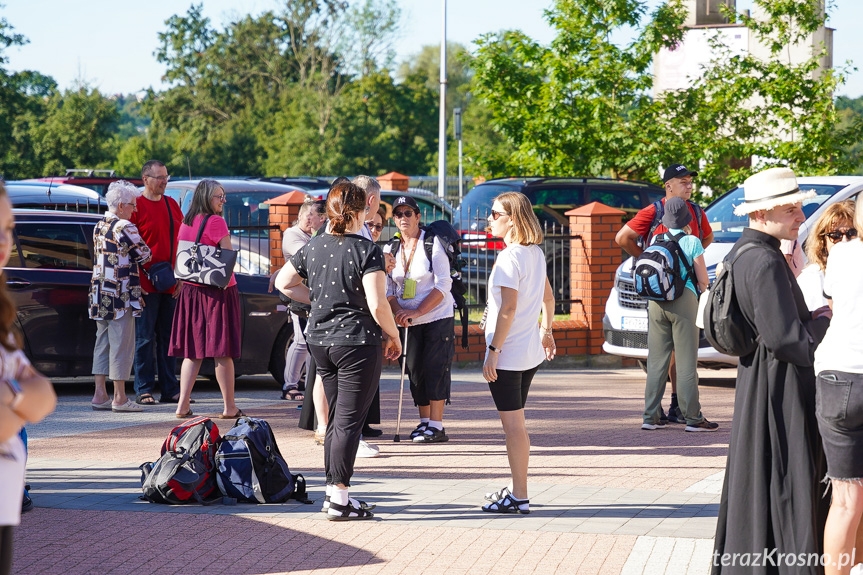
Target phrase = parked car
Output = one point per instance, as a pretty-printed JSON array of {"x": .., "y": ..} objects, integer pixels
[
  {"x": 300, "y": 182},
  {"x": 52, "y": 196},
  {"x": 432, "y": 208},
  {"x": 551, "y": 198},
  {"x": 48, "y": 278},
  {"x": 625, "y": 320},
  {"x": 247, "y": 215},
  {"x": 96, "y": 180}
]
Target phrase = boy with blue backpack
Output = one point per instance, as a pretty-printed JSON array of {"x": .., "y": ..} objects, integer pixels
[
  {"x": 670, "y": 273},
  {"x": 639, "y": 232}
]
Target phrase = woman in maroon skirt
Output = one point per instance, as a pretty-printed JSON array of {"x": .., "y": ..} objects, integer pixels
[{"x": 207, "y": 320}]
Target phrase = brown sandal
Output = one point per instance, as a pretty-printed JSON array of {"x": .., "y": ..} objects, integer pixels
[
  {"x": 184, "y": 415},
  {"x": 235, "y": 416}
]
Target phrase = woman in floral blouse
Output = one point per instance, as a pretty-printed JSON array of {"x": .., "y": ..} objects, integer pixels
[{"x": 115, "y": 295}]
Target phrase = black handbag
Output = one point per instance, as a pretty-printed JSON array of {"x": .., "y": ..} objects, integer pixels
[
  {"x": 161, "y": 274},
  {"x": 204, "y": 264}
]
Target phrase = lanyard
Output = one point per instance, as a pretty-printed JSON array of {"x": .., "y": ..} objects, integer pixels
[{"x": 407, "y": 264}]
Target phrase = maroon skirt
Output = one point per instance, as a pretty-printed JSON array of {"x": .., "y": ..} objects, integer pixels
[{"x": 206, "y": 323}]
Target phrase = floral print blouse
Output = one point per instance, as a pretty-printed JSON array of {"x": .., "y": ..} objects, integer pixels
[{"x": 116, "y": 287}]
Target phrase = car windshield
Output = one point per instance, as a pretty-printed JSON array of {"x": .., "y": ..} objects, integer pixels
[{"x": 727, "y": 227}]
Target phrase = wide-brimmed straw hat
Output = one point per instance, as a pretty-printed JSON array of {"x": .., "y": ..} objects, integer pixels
[{"x": 770, "y": 188}]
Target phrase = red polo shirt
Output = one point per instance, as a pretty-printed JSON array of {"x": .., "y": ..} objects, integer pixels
[
  {"x": 155, "y": 229},
  {"x": 642, "y": 220}
]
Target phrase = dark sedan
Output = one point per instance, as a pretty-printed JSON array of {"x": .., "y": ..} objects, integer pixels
[{"x": 48, "y": 277}]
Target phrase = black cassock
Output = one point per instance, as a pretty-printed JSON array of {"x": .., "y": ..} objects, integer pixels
[{"x": 772, "y": 498}]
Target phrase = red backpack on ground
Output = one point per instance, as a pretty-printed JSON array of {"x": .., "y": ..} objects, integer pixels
[{"x": 186, "y": 472}]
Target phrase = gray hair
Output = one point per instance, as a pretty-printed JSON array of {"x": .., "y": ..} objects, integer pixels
[
  {"x": 120, "y": 192},
  {"x": 369, "y": 185}
]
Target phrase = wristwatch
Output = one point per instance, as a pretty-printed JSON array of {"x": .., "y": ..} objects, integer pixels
[{"x": 494, "y": 349}]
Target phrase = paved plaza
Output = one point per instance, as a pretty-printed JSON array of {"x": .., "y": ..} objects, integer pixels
[{"x": 606, "y": 497}]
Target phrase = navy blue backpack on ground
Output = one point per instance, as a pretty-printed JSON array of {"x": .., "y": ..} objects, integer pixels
[
  {"x": 251, "y": 469},
  {"x": 662, "y": 269}
]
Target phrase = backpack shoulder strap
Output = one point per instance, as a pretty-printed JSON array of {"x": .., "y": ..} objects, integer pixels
[
  {"x": 658, "y": 212},
  {"x": 428, "y": 244},
  {"x": 699, "y": 211},
  {"x": 683, "y": 259}
]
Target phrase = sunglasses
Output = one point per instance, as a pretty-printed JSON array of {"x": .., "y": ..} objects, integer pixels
[
  {"x": 404, "y": 214},
  {"x": 836, "y": 236},
  {"x": 376, "y": 227},
  {"x": 495, "y": 215}
]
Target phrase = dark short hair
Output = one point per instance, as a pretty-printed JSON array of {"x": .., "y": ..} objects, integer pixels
[{"x": 145, "y": 171}]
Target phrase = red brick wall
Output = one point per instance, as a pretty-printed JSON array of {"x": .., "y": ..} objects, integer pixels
[{"x": 284, "y": 216}]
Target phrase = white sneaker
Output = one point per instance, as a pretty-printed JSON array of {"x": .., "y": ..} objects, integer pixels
[{"x": 367, "y": 450}]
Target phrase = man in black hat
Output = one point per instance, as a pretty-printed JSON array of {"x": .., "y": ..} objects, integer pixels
[{"x": 638, "y": 232}]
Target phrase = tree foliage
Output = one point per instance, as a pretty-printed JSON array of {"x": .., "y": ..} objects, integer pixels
[{"x": 582, "y": 105}]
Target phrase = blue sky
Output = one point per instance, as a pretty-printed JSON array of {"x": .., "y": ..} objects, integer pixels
[{"x": 110, "y": 43}]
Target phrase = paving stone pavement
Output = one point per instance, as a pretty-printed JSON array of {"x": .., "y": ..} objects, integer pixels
[{"x": 606, "y": 497}]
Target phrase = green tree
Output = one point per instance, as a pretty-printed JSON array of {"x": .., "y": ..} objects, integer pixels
[
  {"x": 77, "y": 131},
  {"x": 746, "y": 113},
  {"x": 567, "y": 108},
  {"x": 581, "y": 106}
]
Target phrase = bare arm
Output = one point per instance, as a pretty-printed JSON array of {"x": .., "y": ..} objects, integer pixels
[
  {"x": 290, "y": 283},
  {"x": 375, "y": 285},
  {"x": 627, "y": 238},
  {"x": 701, "y": 272},
  {"x": 35, "y": 401},
  {"x": 707, "y": 240},
  {"x": 547, "y": 321}
]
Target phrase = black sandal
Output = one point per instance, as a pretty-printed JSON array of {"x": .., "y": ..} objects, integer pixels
[
  {"x": 351, "y": 501},
  {"x": 293, "y": 394},
  {"x": 497, "y": 495},
  {"x": 348, "y": 512},
  {"x": 507, "y": 504},
  {"x": 146, "y": 399}
]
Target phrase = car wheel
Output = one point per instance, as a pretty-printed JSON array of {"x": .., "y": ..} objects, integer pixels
[{"x": 277, "y": 356}]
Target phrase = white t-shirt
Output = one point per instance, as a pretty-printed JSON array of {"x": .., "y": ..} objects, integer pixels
[
  {"x": 13, "y": 456},
  {"x": 12, "y": 461},
  {"x": 842, "y": 347},
  {"x": 521, "y": 268},
  {"x": 811, "y": 282},
  {"x": 427, "y": 280}
]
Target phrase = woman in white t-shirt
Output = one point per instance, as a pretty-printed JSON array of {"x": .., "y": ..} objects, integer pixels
[
  {"x": 25, "y": 396},
  {"x": 518, "y": 290},
  {"x": 835, "y": 225},
  {"x": 839, "y": 395}
]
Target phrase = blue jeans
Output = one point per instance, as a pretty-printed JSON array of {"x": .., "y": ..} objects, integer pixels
[{"x": 152, "y": 335}]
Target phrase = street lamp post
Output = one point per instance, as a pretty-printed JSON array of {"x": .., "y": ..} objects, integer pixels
[
  {"x": 457, "y": 134},
  {"x": 441, "y": 162}
]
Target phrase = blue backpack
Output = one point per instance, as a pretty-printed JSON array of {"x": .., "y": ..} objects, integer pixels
[
  {"x": 662, "y": 269},
  {"x": 251, "y": 469}
]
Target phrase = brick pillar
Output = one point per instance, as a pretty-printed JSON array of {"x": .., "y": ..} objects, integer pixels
[
  {"x": 393, "y": 181},
  {"x": 284, "y": 211},
  {"x": 593, "y": 254}
]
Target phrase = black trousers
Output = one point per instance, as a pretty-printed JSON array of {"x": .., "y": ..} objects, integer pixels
[
  {"x": 430, "y": 351},
  {"x": 309, "y": 421},
  {"x": 6, "y": 532},
  {"x": 351, "y": 375}
]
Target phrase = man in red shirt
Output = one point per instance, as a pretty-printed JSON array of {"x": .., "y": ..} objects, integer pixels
[
  {"x": 153, "y": 327},
  {"x": 637, "y": 233}
]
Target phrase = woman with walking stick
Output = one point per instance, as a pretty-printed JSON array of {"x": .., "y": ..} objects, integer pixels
[
  {"x": 517, "y": 343},
  {"x": 419, "y": 294},
  {"x": 347, "y": 291}
]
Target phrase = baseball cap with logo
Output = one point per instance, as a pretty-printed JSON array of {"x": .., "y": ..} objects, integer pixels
[
  {"x": 406, "y": 201},
  {"x": 677, "y": 171}
]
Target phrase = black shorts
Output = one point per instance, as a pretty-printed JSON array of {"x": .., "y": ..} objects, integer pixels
[
  {"x": 839, "y": 409},
  {"x": 430, "y": 351},
  {"x": 510, "y": 390}
]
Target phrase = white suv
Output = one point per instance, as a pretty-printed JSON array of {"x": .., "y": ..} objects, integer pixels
[{"x": 625, "y": 322}]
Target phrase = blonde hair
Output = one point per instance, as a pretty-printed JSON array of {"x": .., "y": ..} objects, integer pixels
[
  {"x": 815, "y": 245},
  {"x": 525, "y": 225}
]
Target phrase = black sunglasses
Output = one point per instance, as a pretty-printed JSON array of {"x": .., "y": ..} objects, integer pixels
[
  {"x": 404, "y": 214},
  {"x": 836, "y": 236},
  {"x": 495, "y": 214}
]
